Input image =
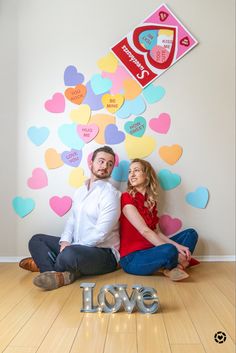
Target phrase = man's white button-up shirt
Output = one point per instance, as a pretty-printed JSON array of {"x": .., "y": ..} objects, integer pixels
[{"x": 95, "y": 216}]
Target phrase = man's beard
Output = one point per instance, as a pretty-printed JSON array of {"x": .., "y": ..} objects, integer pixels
[{"x": 100, "y": 176}]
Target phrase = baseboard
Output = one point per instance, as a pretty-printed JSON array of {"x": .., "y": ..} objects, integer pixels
[
  {"x": 214, "y": 258},
  {"x": 211, "y": 258}
]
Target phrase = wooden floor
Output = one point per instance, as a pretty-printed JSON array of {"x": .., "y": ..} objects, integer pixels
[{"x": 190, "y": 314}]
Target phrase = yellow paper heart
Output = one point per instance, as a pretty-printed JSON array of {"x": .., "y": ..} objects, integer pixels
[
  {"x": 139, "y": 147},
  {"x": 102, "y": 120},
  {"x": 81, "y": 115},
  {"x": 53, "y": 159},
  {"x": 131, "y": 89},
  {"x": 112, "y": 103},
  {"x": 170, "y": 154},
  {"x": 108, "y": 63},
  {"x": 77, "y": 177}
]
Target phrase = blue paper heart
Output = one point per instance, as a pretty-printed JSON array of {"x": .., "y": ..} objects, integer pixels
[
  {"x": 153, "y": 94},
  {"x": 113, "y": 135},
  {"x": 69, "y": 136},
  {"x": 198, "y": 198},
  {"x": 135, "y": 106},
  {"x": 168, "y": 180},
  {"x": 100, "y": 85},
  {"x": 120, "y": 173},
  {"x": 72, "y": 77},
  {"x": 22, "y": 206},
  {"x": 38, "y": 135},
  {"x": 148, "y": 39}
]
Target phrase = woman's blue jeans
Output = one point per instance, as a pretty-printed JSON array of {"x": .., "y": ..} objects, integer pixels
[{"x": 146, "y": 262}]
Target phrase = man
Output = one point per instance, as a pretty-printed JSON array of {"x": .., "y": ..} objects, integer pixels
[{"x": 90, "y": 241}]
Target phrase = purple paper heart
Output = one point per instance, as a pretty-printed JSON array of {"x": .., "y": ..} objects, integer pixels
[
  {"x": 93, "y": 100},
  {"x": 113, "y": 135},
  {"x": 72, "y": 77},
  {"x": 72, "y": 157}
]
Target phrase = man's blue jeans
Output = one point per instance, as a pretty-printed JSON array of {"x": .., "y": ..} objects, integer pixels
[
  {"x": 146, "y": 262},
  {"x": 45, "y": 250}
]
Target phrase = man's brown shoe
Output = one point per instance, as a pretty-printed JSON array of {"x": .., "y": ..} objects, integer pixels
[
  {"x": 29, "y": 264},
  {"x": 51, "y": 279}
]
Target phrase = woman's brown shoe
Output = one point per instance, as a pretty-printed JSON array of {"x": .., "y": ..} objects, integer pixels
[{"x": 28, "y": 264}]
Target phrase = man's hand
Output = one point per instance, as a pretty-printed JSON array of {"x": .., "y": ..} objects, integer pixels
[{"x": 64, "y": 244}]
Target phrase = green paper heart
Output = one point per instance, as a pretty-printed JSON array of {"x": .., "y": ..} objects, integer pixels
[{"x": 136, "y": 127}]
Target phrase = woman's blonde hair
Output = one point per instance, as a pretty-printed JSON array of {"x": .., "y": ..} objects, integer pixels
[{"x": 151, "y": 183}]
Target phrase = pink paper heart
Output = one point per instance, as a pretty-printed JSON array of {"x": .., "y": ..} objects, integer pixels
[
  {"x": 60, "y": 205},
  {"x": 56, "y": 104},
  {"x": 38, "y": 180},
  {"x": 160, "y": 124},
  {"x": 87, "y": 132},
  {"x": 169, "y": 225}
]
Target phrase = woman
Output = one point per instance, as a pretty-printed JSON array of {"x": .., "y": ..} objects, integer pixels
[{"x": 144, "y": 249}]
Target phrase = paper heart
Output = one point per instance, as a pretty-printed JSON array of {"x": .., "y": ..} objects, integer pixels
[
  {"x": 185, "y": 41},
  {"x": 89, "y": 158},
  {"x": 112, "y": 102},
  {"x": 76, "y": 95},
  {"x": 22, "y": 206},
  {"x": 163, "y": 15},
  {"x": 93, "y": 100},
  {"x": 131, "y": 89},
  {"x": 120, "y": 173},
  {"x": 56, "y": 104},
  {"x": 148, "y": 39},
  {"x": 153, "y": 94},
  {"x": 135, "y": 106},
  {"x": 160, "y": 124},
  {"x": 81, "y": 115},
  {"x": 60, "y": 205},
  {"x": 99, "y": 84},
  {"x": 137, "y": 127},
  {"x": 113, "y": 135},
  {"x": 72, "y": 157},
  {"x": 169, "y": 225},
  {"x": 117, "y": 79},
  {"x": 198, "y": 198},
  {"x": 168, "y": 180},
  {"x": 38, "y": 135},
  {"x": 87, "y": 132},
  {"x": 157, "y": 62},
  {"x": 72, "y": 77},
  {"x": 38, "y": 180},
  {"x": 69, "y": 136},
  {"x": 108, "y": 63},
  {"x": 139, "y": 147},
  {"x": 77, "y": 178},
  {"x": 170, "y": 154},
  {"x": 102, "y": 121},
  {"x": 52, "y": 159}
]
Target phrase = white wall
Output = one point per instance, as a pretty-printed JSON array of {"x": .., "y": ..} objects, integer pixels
[{"x": 39, "y": 39}]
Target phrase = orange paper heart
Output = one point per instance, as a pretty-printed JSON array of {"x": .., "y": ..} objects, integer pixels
[
  {"x": 53, "y": 159},
  {"x": 170, "y": 154},
  {"x": 76, "y": 95},
  {"x": 131, "y": 89},
  {"x": 102, "y": 121}
]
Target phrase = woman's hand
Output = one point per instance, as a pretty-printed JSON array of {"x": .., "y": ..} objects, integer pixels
[
  {"x": 183, "y": 250},
  {"x": 64, "y": 244}
]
